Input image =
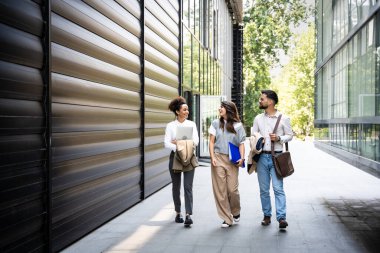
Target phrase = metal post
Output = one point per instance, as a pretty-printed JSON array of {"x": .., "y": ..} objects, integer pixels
[
  {"x": 142, "y": 98},
  {"x": 180, "y": 48},
  {"x": 47, "y": 102}
]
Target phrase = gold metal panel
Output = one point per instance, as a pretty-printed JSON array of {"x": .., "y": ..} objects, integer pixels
[
  {"x": 72, "y": 63},
  {"x": 79, "y": 39},
  {"x": 87, "y": 17}
]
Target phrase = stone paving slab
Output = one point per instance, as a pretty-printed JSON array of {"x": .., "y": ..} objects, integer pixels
[{"x": 332, "y": 207}]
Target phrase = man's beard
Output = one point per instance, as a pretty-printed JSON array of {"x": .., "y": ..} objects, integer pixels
[{"x": 263, "y": 107}]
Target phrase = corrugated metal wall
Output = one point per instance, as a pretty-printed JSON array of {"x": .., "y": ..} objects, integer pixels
[
  {"x": 23, "y": 191},
  {"x": 161, "y": 85},
  {"x": 102, "y": 124},
  {"x": 96, "y": 114}
]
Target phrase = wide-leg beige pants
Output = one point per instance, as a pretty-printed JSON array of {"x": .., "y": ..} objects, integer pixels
[{"x": 225, "y": 185}]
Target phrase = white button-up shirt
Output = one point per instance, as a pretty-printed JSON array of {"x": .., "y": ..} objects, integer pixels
[
  {"x": 171, "y": 132},
  {"x": 264, "y": 124}
]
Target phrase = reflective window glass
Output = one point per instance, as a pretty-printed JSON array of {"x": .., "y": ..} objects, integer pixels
[
  {"x": 186, "y": 69},
  {"x": 185, "y": 13},
  {"x": 195, "y": 68}
]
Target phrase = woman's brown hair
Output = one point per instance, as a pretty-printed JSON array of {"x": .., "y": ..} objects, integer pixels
[
  {"x": 232, "y": 116},
  {"x": 175, "y": 104}
]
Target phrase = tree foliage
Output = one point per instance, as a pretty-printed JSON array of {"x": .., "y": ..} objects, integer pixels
[
  {"x": 267, "y": 31},
  {"x": 296, "y": 84}
]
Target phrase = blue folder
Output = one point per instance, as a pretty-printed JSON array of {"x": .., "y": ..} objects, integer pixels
[{"x": 234, "y": 154}]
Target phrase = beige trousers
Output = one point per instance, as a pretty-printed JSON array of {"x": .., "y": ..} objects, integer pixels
[{"x": 225, "y": 185}]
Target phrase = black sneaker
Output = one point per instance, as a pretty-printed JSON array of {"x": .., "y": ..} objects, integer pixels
[
  {"x": 236, "y": 218},
  {"x": 188, "y": 221},
  {"x": 282, "y": 224},
  {"x": 225, "y": 225},
  {"x": 265, "y": 221},
  {"x": 178, "y": 218}
]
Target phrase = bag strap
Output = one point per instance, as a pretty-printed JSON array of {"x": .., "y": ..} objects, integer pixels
[{"x": 274, "y": 131}]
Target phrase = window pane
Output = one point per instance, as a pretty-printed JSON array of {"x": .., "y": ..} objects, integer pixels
[
  {"x": 203, "y": 68},
  {"x": 186, "y": 81},
  {"x": 192, "y": 15},
  {"x": 195, "y": 68},
  {"x": 197, "y": 23},
  {"x": 185, "y": 15}
]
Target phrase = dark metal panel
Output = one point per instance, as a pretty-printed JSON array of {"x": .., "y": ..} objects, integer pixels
[
  {"x": 13, "y": 85},
  {"x": 71, "y": 228},
  {"x": 118, "y": 14},
  {"x": 20, "y": 117},
  {"x": 77, "y": 38},
  {"x": 88, "y": 18},
  {"x": 13, "y": 149},
  {"x": 67, "y": 146},
  {"x": 76, "y": 200},
  {"x": 20, "y": 108},
  {"x": 27, "y": 86},
  {"x": 69, "y": 90},
  {"x": 23, "y": 191},
  {"x": 157, "y": 175},
  {"x": 237, "y": 88},
  {"x": 161, "y": 85},
  {"x": 96, "y": 114},
  {"x": 20, "y": 184},
  {"x": 75, "y": 172},
  {"x": 23, "y": 15},
  {"x": 72, "y": 63},
  {"x": 70, "y": 118},
  {"x": 20, "y": 47},
  {"x": 32, "y": 241}
]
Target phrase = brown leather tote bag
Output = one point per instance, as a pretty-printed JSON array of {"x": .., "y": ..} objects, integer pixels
[{"x": 282, "y": 161}]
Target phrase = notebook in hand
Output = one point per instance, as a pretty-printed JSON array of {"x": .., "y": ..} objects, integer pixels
[
  {"x": 184, "y": 133},
  {"x": 234, "y": 153}
]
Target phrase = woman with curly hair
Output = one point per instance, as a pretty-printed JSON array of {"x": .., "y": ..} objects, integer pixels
[
  {"x": 181, "y": 111},
  {"x": 224, "y": 173}
]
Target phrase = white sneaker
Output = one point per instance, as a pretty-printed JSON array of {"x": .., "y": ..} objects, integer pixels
[
  {"x": 225, "y": 225},
  {"x": 237, "y": 218}
]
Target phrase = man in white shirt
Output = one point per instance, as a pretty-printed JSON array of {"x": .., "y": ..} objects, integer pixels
[{"x": 264, "y": 124}]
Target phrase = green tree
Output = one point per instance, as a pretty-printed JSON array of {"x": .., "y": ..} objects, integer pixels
[
  {"x": 296, "y": 84},
  {"x": 267, "y": 31}
]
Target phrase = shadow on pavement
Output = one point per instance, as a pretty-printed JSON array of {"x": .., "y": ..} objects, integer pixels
[{"x": 361, "y": 217}]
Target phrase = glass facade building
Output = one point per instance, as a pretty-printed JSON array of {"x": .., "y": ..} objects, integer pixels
[
  {"x": 347, "y": 90},
  {"x": 84, "y": 93},
  {"x": 208, "y": 31}
]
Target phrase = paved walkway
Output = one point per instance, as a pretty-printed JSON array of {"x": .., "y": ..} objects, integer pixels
[{"x": 332, "y": 207}]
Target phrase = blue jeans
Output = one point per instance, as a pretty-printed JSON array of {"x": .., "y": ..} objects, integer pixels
[{"x": 266, "y": 172}]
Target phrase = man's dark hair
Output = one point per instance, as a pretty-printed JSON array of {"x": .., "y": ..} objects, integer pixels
[{"x": 271, "y": 94}]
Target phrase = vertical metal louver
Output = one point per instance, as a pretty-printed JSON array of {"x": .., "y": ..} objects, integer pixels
[
  {"x": 98, "y": 88},
  {"x": 237, "y": 84},
  {"x": 161, "y": 85},
  {"x": 23, "y": 191},
  {"x": 96, "y": 114}
]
